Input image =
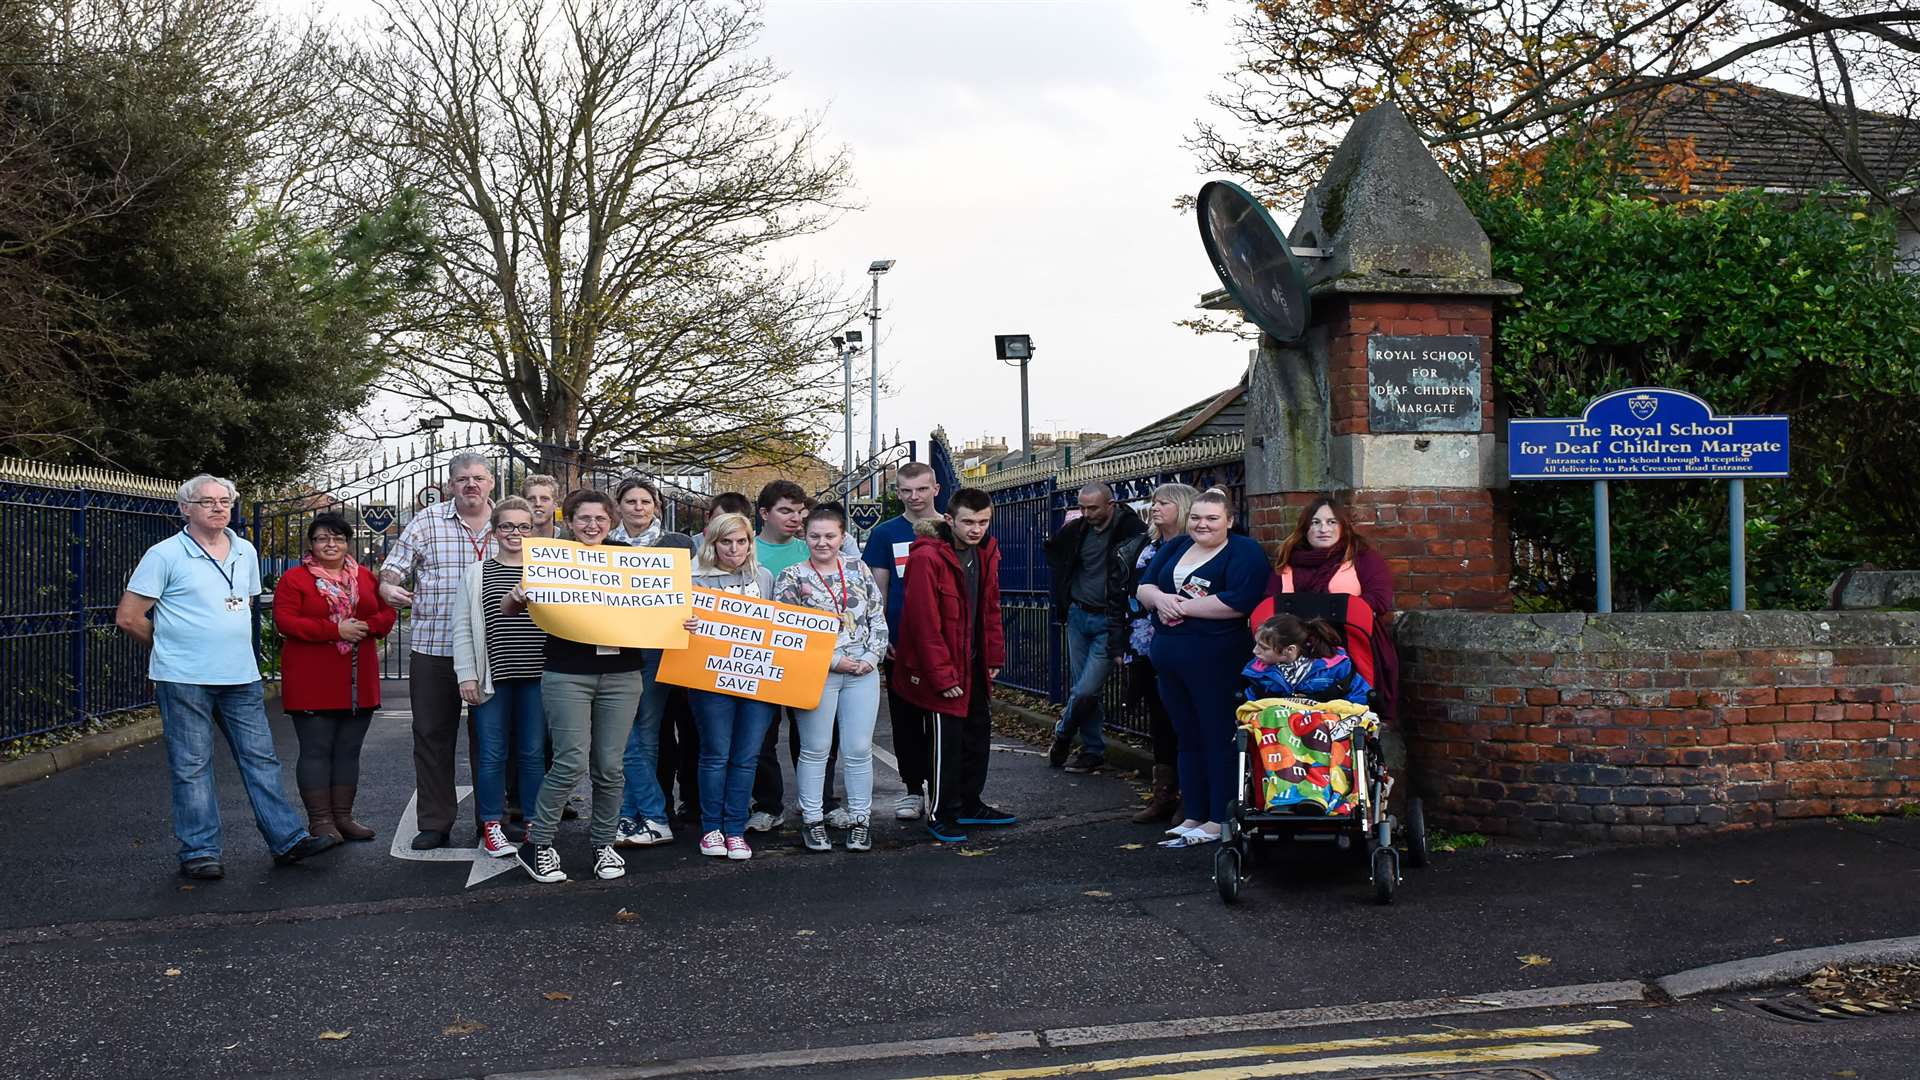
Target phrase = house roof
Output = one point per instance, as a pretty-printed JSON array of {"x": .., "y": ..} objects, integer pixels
[
  {"x": 1747, "y": 136},
  {"x": 1222, "y": 413}
]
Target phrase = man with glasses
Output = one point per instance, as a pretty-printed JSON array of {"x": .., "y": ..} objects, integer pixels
[
  {"x": 434, "y": 550},
  {"x": 190, "y": 599}
]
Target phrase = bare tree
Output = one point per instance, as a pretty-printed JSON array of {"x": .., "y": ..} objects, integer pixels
[
  {"x": 1486, "y": 80},
  {"x": 605, "y": 181}
]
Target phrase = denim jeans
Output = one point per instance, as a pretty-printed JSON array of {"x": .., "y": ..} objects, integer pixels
[
  {"x": 588, "y": 718},
  {"x": 1087, "y": 666},
  {"x": 187, "y": 712},
  {"x": 730, "y": 732},
  {"x": 850, "y": 704},
  {"x": 515, "y": 705},
  {"x": 644, "y": 801}
]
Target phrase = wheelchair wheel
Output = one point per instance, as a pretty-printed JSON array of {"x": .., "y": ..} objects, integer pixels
[
  {"x": 1416, "y": 834},
  {"x": 1226, "y": 874},
  {"x": 1386, "y": 874}
]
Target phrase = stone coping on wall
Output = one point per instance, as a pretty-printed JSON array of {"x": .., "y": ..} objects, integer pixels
[{"x": 1651, "y": 726}]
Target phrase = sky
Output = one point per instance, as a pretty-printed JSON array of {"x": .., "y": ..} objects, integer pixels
[{"x": 1019, "y": 159}]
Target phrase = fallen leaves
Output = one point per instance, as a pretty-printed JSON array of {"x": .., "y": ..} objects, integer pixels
[
  {"x": 974, "y": 852},
  {"x": 1743, "y": 881},
  {"x": 1534, "y": 959},
  {"x": 625, "y": 916},
  {"x": 172, "y": 973},
  {"x": 1131, "y": 847},
  {"x": 335, "y": 1036},
  {"x": 804, "y": 933},
  {"x": 463, "y": 1027},
  {"x": 557, "y": 995},
  {"x": 1096, "y": 892}
]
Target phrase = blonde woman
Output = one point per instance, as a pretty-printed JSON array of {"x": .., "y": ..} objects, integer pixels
[
  {"x": 730, "y": 727},
  {"x": 1131, "y": 628}
]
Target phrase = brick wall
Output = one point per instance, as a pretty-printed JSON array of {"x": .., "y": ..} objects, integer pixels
[
  {"x": 1351, "y": 320},
  {"x": 1656, "y": 726},
  {"x": 1449, "y": 548}
]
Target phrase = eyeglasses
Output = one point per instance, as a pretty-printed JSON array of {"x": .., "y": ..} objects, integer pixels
[
  {"x": 211, "y": 504},
  {"x": 513, "y": 527}
]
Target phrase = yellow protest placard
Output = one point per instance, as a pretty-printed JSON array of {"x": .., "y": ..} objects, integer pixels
[
  {"x": 638, "y": 598},
  {"x": 753, "y": 648}
]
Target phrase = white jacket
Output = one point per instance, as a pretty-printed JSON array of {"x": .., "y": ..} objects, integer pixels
[{"x": 470, "y": 632}]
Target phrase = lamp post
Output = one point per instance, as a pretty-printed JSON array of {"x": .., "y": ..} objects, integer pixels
[
  {"x": 874, "y": 270},
  {"x": 847, "y": 345},
  {"x": 1017, "y": 349}
]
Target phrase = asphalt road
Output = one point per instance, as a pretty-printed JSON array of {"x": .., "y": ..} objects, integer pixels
[{"x": 1073, "y": 918}]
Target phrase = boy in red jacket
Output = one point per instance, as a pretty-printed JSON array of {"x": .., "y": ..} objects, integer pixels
[{"x": 946, "y": 652}]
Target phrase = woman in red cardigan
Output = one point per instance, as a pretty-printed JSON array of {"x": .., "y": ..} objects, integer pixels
[{"x": 329, "y": 614}]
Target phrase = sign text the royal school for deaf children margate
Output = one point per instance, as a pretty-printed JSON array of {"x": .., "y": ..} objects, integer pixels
[
  {"x": 638, "y": 598},
  {"x": 754, "y": 648},
  {"x": 1647, "y": 433}
]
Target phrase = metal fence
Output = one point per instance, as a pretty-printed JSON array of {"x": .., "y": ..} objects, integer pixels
[
  {"x": 1030, "y": 504},
  {"x": 72, "y": 538}
]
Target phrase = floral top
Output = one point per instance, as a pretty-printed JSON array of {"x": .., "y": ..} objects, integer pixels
[{"x": 850, "y": 593}]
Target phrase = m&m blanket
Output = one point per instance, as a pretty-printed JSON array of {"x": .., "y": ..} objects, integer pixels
[{"x": 1303, "y": 759}]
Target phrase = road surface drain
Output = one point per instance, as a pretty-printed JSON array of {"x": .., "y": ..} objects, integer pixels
[{"x": 1792, "y": 1006}]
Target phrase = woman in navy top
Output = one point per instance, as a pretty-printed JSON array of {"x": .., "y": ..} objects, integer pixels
[{"x": 1200, "y": 588}]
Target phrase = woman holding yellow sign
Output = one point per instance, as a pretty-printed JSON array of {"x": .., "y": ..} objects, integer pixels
[
  {"x": 829, "y": 581},
  {"x": 730, "y": 727}
]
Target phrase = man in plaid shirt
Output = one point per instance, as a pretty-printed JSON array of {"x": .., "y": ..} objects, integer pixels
[{"x": 435, "y": 549}]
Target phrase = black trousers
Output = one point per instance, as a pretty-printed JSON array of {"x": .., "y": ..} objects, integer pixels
[
  {"x": 437, "y": 714},
  {"x": 769, "y": 784},
  {"x": 911, "y": 733},
  {"x": 679, "y": 753},
  {"x": 959, "y": 745},
  {"x": 1143, "y": 685}
]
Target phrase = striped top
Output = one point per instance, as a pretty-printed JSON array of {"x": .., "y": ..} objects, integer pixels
[{"x": 516, "y": 648}]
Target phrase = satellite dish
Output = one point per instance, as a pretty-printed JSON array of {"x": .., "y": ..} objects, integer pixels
[{"x": 1254, "y": 260}]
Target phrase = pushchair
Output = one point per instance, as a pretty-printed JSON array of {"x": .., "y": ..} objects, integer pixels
[{"x": 1344, "y": 763}]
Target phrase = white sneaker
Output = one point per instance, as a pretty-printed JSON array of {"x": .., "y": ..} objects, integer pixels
[
  {"x": 713, "y": 843},
  {"x": 626, "y": 833},
  {"x": 761, "y": 821},
  {"x": 493, "y": 840},
  {"x": 607, "y": 863},
  {"x": 906, "y": 807},
  {"x": 838, "y": 818},
  {"x": 650, "y": 833}
]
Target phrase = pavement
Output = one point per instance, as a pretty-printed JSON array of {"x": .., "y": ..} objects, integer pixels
[{"x": 1072, "y": 921}]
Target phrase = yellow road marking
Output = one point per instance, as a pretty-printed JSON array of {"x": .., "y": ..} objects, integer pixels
[
  {"x": 1371, "y": 1042},
  {"x": 1525, "y": 1051}
]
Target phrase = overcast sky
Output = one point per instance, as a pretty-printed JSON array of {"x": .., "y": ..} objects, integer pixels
[{"x": 1019, "y": 159}]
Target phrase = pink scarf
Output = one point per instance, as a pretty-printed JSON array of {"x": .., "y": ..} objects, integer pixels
[{"x": 342, "y": 594}]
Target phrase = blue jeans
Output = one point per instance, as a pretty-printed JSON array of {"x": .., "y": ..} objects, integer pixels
[
  {"x": 644, "y": 801},
  {"x": 515, "y": 705},
  {"x": 187, "y": 713},
  {"x": 849, "y": 704},
  {"x": 730, "y": 732},
  {"x": 1087, "y": 665}
]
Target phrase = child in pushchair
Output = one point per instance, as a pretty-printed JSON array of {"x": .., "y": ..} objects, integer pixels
[{"x": 1303, "y": 658}]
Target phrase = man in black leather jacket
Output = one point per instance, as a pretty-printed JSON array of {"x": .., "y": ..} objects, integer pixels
[{"x": 1080, "y": 557}]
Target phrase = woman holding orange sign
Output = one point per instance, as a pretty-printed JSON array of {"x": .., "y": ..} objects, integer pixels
[{"x": 730, "y": 727}]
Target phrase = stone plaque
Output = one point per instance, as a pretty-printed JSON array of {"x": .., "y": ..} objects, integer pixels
[{"x": 1423, "y": 383}]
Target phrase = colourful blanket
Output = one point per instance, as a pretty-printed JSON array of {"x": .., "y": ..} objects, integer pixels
[{"x": 1303, "y": 759}]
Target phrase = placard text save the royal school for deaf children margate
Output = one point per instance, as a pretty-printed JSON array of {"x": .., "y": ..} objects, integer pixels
[
  {"x": 748, "y": 647},
  {"x": 638, "y": 598}
]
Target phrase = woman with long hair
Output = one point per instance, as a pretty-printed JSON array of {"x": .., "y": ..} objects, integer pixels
[
  {"x": 1326, "y": 554},
  {"x": 730, "y": 727},
  {"x": 1132, "y": 637}
]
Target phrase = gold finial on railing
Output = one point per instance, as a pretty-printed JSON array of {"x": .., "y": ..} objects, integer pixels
[{"x": 42, "y": 474}]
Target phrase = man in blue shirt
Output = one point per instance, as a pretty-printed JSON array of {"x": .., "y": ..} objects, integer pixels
[
  {"x": 190, "y": 599},
  {"x": 886, "y": 555}
]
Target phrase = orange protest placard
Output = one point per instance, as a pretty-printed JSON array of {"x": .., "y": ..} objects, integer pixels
[{"x": 753, "y": 648}]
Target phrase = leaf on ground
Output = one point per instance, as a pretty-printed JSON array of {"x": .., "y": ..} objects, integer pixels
[
  {"x": 1743, "y": 881},
  {"x": 186, "y": 888},
  {"x": 171, "y": 972},
  {"x": 463, "y": 1027},
  {"x": 1131, "y": 847},
  {"x": 335, "y": 1036},
  {"x": 623, "y": 915},
  {"x": 557, "y": 995},
  {"x": 975, "y": 852},
  {"x": 1534, "y": 959},
  {"x": 804, "y": 933},
  {"x": 1096, "y": 892}
]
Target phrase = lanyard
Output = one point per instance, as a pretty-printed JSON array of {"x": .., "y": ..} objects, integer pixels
[
  {"x": 224, "y": 574},
  {"x": 841, "y": 606},
  {"x": 479, "y": 546}
]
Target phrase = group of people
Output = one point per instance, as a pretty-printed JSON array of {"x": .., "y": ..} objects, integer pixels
[{"x": 920, "y": 603}]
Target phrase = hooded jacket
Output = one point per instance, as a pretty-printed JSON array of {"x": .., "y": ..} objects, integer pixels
[
  {"x": 1063, "y": 550},
  {"x": 933, "y": 650}
]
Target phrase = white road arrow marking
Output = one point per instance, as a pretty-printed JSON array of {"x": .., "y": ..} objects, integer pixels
[{"x": 483, "y": 865}]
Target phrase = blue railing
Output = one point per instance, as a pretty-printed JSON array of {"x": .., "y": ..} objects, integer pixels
[{"x": 71, "y": 542}]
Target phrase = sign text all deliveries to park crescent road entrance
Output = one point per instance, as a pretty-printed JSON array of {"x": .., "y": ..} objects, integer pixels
[
  {"x": 1647, "y": 433},
  {"x": 754, "y": 648},
  {"x": 638, "y": 598}
]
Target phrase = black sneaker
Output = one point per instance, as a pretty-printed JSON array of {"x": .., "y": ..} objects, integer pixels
[
  {"x": 860, "y": 835},
  {"x": 814, "y": 835},
  {"x": 1085, "y": 763},
  {"x": 947, "y": 832},
  {"x": 310, "y": 845},
  {"x": 204, "y": 868},
  {"x": 982, "y": 814},
  {"x": 1057, "y": 753},
  {"x": 540, "y": 861}
]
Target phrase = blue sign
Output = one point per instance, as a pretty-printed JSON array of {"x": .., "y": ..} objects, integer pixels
[
  {"x": 377, "y": 517},
  {"x": 1647, "y": 433}
]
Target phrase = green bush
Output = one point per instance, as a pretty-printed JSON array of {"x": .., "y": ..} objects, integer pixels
[{"x": 1755, "y": 302}]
